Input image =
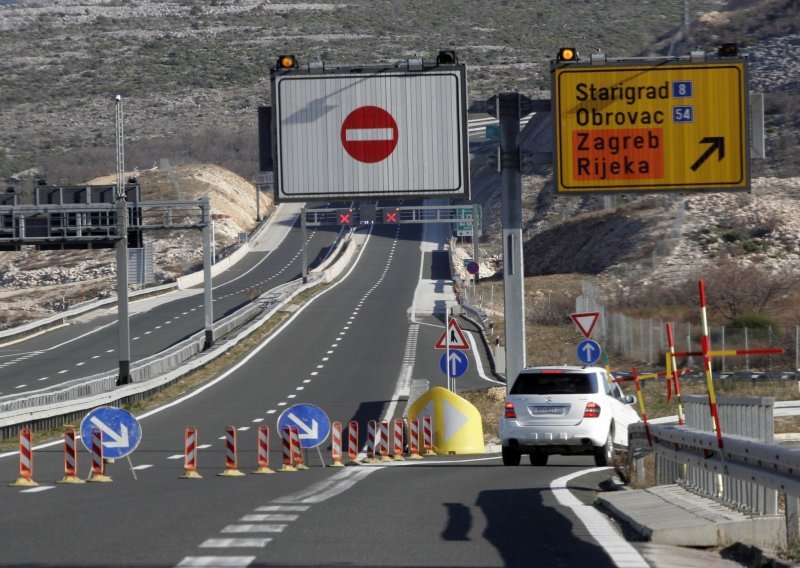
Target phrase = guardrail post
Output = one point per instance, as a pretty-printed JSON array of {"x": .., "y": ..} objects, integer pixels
[{"x": 792, "y": 520}]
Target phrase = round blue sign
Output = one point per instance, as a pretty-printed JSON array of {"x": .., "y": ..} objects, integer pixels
[
  {"x": 588, "y": 351},
  {"x": 473, "y": 267},
  {"x": 458, "y": 363},
  {"x": 311, "y": 422},
  {"x": 121, "y": 431}
]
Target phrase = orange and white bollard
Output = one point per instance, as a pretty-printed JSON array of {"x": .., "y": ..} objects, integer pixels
[
  {"x": 352, "y": 441},
  {"x": 231, "y": 455},
  {"x": 297, "y": 450},
  {"x": 288, "y": 453},
  {"x": 98, "y": 473},
  {"x": 70, "y": 458},
  {"x": 25, "y": 478},
  {"x": 398, "y": 440},
  {"x": 263, "y": 450},
  {"x": 384, "y": 448},
  {"x": 413, "y": 439},
  {"x": 336, "y": 444},
  {"x": 190, "y": 454},
  {"x": 427, "y": 435},
  {"x": 372, "y": 440}
]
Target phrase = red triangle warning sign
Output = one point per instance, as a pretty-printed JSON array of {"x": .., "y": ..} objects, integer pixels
[
  {"x": 457, "y": 338},
  {"x": 585, "y": 322}
]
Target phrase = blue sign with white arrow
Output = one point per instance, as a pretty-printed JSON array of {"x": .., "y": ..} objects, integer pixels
[
  {"x": 458, "y": 363},
  {"x": 588, "y": 351},
  {"x": 311, "y": 422},
  {"x": 121, "y": 431}
]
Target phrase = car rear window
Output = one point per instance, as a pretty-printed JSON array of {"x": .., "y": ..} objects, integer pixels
[{"x": 555, "y": 383}]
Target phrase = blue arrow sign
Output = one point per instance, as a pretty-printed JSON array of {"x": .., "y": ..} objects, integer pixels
[
  {"x": 121, "y": 431},
  {"x": 588, "y": 351},
  {"x": 311, "y": 422},
  {"x": 458, "y": 363}
]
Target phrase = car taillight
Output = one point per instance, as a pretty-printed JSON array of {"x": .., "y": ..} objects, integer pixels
[
  {"x": 592, "y": 410},
  {"x": 510, "y": 413}
]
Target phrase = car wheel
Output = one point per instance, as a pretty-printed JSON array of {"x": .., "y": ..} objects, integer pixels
[
  {"x": 538, "y": 458},
  {"x": 511, "y": 456},
  {"x": 603, "y": 455}
]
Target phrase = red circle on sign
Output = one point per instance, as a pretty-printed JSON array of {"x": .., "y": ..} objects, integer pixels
[{"x": 369, "y": 134}]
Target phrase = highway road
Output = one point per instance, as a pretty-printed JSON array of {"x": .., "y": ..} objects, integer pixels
[
  {"x": 352, "y": 351},
  {"x": 89, "y": 345}
]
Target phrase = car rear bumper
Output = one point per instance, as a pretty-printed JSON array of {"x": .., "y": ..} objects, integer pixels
[{"x": 533, "y": 437}]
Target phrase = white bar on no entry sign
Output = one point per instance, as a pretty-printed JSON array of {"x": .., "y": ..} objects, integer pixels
[{"x": 368, "y": 134}]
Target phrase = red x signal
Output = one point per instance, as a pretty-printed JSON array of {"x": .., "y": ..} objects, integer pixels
[
  {"x": 391, "y": 217},
  {"x": 344, "y": 218}
]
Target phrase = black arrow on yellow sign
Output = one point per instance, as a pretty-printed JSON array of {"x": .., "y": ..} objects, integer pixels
[{"x": 717, "y": 143}]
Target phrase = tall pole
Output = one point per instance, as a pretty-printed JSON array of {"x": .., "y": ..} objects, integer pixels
[
  {"x": 208, "y": 260},
  {"x": 304, "y": 236},
  {"x": 476, "y": 249},
  {"x": 121, "y": 249},
  {"x": 508, "y": 115}
]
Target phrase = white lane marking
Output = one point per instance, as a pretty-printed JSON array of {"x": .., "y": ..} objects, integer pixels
[
  {"x": 478, "y": 361},
  {"x": 298, "y": 508},
  {"x": 175, "y": 457},
  {"x": 326, "y": 358},
  {"x": 95, "y": 356},
  {"x": 260, "y": 518},
  {"x": 243, "y": 428},
  {"x": 38, "y": 489},
  {"x": 203, "y": 446},
  {"x": 43, "y": 379},
  {"x": 273, "y": 411},
  {"x": 300, "y": 388},
  {"x": 143, "y": 466},
  {"x": 620, "y": 550},
  {"x": 331, "y": 487},
  {"x": 292, "y": 396},
  {"x": 260, "y": 528},
  {"x": 235, "y": 543},
  {"x": 81, "y": 363},
  {"x": 330, "y": 352},
  {"x": 20, "y": 386},
  {"x": 320, "y": 366},
  {"x": 258, "y": 420},
  {"x": 314, "y": 373},
  {"x": 216, "y": 561},
  {"x": 281, "y": 404},
  {"x": 307, "y": 381},
  {"x": 63, "y": 371}
]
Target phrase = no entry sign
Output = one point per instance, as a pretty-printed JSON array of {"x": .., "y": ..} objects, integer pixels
[{"x": 369, "y": 134}]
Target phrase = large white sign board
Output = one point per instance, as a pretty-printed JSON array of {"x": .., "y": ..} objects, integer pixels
[{"x": 391, "y": 133}]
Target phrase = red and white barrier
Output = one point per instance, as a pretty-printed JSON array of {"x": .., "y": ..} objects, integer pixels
[
  {"x": 70, "y": 458},
  {"x": 190, "y": 454},
  {"x": 372, "y": 440},
  {"x": 263, "y": 450},
  {"x": 352, "y": 441},
  {"x": 336, "y": 444},
  {"x": 288, "y": 453},
  {"x": 384, "y": 448},
  {"x": 427, "y": 435},
  {"x": 231, "y": 454},
  {"x": 398, "y": 440},
  {"x": 25, "y": 478},
  {"x": 297, "y": 450},
  {"x": 413, "y": 439},
  {"x": 98, "y": 465}
]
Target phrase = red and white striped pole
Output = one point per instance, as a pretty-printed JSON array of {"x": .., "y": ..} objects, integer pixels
[
  {"x": 190, "y": 454},
  {"x": 25, "y": 478},
  {"x": 70, "y": 458},
  {"x": 427, "y": 435},
  {"x": 336, "y": 444},
  {"x": 352, "y": 441},
  {"x": 263, "y": 450},
  {"x": 413, "y": 439},
  {"x": 398, "y": 439},
  {"x": 372, "y": 440},
  {"x": 673, "y": 364},
  {"x": 231, "y": 454},
  {"x": 288, "y": 453},
  {"x": 297, "y": 449},
  {"x": 98, "y": 466},
  {"x": 705, "y": 344},
  {"x": 384, "y": 448}
]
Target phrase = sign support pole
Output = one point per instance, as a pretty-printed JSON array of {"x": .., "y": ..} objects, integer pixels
[
  {"x": 121, "y": 250},
  {"x": 508, "y": 114},
  {"x": 304, "y": 236},
  {"x": 447, "y": 351},
  {"x": 476, "y": 249},
  {"x": 208, "y": 305}
]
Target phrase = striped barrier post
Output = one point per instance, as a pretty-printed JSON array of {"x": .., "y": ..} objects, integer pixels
[
  {"x": 384, "y": 448},
  {"x": 288, "y": 453},
  {"x": 336, "y": 444},
  {"x": 413, "y": 439},
  {"x": 231, "y": 459},
  {"x": 25, "y": 478},
  {"x": 190, "y": 454},
  {"x": 263, "y": 450},
  {"x": 372, "y": 440},
  {"x": 427, "y": 435},
  {"x": 297, "y": 450},
  {"x": 352, "y": 441},
  {"x": 398, "y": 440},
  {"x": 98, "y": 473},
  {"x": 70, "y": 458}
]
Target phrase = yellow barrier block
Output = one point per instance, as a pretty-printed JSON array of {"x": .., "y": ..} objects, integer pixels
[{"x": 457, "y": 426}]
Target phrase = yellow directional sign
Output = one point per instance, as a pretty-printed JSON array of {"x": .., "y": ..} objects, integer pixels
[{"x": 665, "y": 126}]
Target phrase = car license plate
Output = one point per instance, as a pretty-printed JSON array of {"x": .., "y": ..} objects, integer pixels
[{"x": 547, "y": 410}]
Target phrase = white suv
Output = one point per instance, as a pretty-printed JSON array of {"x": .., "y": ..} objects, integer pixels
[{"x": 565, "y": 410}]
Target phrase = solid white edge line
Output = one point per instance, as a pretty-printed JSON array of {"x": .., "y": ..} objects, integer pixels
[
  {"x": 479, "y": 361},
  {"x": 622, "y": 553}
]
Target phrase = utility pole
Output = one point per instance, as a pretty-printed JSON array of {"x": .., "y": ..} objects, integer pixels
[{"x": 121, "y": 248}]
